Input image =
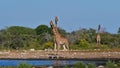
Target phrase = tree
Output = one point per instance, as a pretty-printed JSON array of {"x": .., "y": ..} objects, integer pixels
[
  {"x": 42, "y": 38},
  {"x": 42, "y": 29},
  {"x": 17, "y": 30},
  {"x": 62, "y": 31},
  {"x": 92, "y": 35},
  {"x": 18, "y": 36},
  {"x": 2, "y": 38},
  {"x": 43, "y": 33}
]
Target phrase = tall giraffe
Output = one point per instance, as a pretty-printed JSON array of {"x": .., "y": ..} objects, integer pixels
[
  {"x": 98, "y": 35},
  {"x": 58, "y": 39}
]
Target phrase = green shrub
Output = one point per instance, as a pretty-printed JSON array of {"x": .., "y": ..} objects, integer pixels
[
  {"x": 111, "y": 64},
  {"x": 73, "y": 47},
  {"x": 48, "y": 45},
  {"x": 65, "y": 66},
  {"x": 104, "y": 47},
  {"x": 79, "y": 65},
  {"x": 84, "y": 44},
  {"x": 24, "y": 65},
  {"x": 118, "y": 64},
  {"x": 91, "y": 65}
]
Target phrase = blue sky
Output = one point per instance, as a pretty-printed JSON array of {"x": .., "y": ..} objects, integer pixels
[{"x": 72, "y": 14}]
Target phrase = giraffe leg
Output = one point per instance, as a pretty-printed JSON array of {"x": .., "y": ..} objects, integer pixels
[
  {"x": 64, "y": 47},
  {"x": 55, "y": 47},
  {"x": 58, "y": 47},
  {"x": 99, "y": 41}
]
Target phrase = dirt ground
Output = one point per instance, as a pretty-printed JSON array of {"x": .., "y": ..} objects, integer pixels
[{"x": 72, "y": 54}]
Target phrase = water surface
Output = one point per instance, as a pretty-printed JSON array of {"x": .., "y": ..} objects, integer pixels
[{"x": 49, "y": 62}]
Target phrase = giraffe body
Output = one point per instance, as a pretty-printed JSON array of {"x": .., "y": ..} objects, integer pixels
[
  {"x": 98, "y": 39},
  {"x": 98, "y": 36}
]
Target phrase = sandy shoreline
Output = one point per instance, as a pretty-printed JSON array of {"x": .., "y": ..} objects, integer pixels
[{"x": 40, "y": 54}]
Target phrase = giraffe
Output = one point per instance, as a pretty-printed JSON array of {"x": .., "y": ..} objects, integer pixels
[
  {"x": 58, "y": 39},
  {"x": 98, "y": 36}
]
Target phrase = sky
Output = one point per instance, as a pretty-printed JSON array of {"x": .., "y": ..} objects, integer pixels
[{"x": 72, "y": 14}]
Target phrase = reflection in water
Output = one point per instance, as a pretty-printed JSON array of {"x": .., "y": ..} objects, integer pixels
[
  {"x": 57, "y": 63},
  {"x": 60, "y": 63}
]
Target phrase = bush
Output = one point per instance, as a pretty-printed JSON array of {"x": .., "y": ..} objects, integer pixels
[
  {"x": 111, "y": 64},
  {"x": 84, "y": 44},
  {"x": 73, "y": 47},
  {"x": 66, "y": 66},
  {"x": 91, "y": 65},
  {"x": 79, "y": 65},
  {"x": 48, "y": 45},
  {"x": 104, "y": 47},
  {"x": 118, "y": 64},
  {"x": 24, "y": 65}
]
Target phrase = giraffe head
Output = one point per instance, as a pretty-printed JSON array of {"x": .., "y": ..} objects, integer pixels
[
  {"x": 53, "y": 28},
  {"x": 98, "y": 27},
  {"x": 56, "y": 20},
  {"x": 51, "y": 24}
]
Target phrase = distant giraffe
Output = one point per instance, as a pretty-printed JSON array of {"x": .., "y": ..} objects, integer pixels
[
  {"x": 58, "y": 39},
  {"x": 98, "y": 35}
]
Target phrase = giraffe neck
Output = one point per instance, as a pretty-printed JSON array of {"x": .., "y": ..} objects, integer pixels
[
  {"x": 57, "y": 32},
  {"x": 99, "y": 32},
  {"x": 57, "y": 35}
]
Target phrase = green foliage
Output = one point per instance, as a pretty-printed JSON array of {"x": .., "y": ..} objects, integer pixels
[
  {"x": 17, "y": 30},
  {"x": 48, "y": 45},
  {"x": 73, "y": 47},
  {"x": 110, "y": 39},
  {"x": 42, "y": 29},
  {"x": 83, "y": 44},
  {"x": 111, "y": 64},
  {"x": 79, "y": 65},
  {"x": 24, "y": 65},
  {"x": 18, "y": 37},
  {"x": 43, "y": 34},
  {"x": 91, "y": 35},
  {"x": 66, "y": 66},
  {"x": 91, "y": 65},
  {"x": 118, "y": 64},
  {"x": 104, "y": 47},
  {"x": 62, "y": 31}
]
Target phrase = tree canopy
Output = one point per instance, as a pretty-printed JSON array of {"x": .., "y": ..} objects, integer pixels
[{"x": 42, "y": 29}]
